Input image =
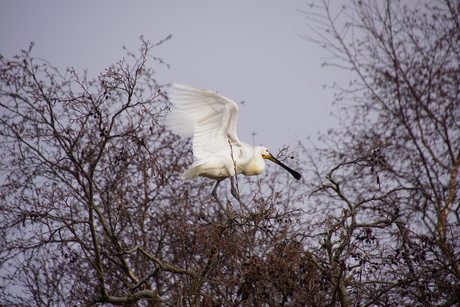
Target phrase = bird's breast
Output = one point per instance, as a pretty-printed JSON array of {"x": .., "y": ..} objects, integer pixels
[{"x": 253, "y": 168}]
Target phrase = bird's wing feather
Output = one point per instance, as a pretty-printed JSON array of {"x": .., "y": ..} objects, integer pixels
[{"x": 207, "y": 116}]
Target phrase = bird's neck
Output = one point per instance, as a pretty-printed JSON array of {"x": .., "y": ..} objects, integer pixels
[{"x": 255, "y": 165}]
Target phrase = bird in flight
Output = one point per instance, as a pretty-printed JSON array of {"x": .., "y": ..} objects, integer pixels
[{"x": 211, "y": 119}]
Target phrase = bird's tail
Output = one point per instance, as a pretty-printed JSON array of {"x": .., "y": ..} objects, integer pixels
[{"x": 192, "y": 172}]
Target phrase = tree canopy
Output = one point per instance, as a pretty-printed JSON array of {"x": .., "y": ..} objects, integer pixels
[{"x": 93, "y": 211}]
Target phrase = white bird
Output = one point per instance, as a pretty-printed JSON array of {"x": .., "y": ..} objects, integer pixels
[{"x": 211, "y": 119}]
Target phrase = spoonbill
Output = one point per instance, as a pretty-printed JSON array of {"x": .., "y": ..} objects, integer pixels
[{"x": 211, "y": 119}]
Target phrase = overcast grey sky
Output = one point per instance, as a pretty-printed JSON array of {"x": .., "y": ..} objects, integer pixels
[{"x": 250, "y": 51}]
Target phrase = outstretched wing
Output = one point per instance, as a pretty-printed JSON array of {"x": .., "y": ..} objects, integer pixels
[{"x": 207, "y": 116}]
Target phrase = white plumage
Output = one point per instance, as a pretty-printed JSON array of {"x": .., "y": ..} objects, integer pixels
[{"x": 211, "y": 119}]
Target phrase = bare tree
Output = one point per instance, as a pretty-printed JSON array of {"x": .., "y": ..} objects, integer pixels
[
  {"x": 393, "y": 195},
  {"x": 93, "y": 210}
]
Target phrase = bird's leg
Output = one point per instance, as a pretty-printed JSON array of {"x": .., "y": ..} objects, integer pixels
[
  {"x": 237, "y": 196},
  {"x": 214, "y": 193}
]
